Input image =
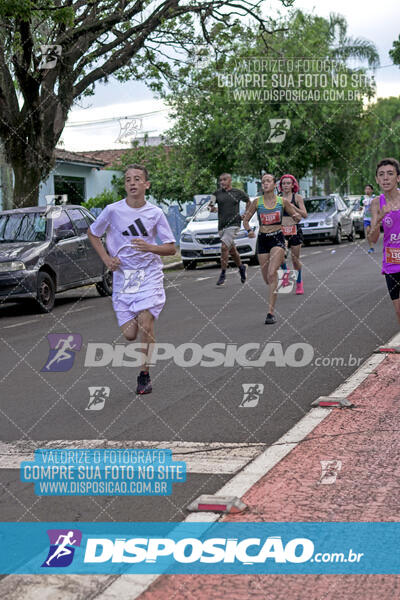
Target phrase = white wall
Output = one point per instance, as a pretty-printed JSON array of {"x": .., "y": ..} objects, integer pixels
[{"x": 95, "y": 180}]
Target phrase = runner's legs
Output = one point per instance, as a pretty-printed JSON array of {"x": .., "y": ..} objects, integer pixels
[{"x": 144, "y": 325}]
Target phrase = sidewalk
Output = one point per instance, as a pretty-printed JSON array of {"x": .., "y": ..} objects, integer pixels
[{"x": 367, "y": 442}]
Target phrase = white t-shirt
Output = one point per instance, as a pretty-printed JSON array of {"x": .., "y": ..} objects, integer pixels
[{"x": 121, "y": 223}]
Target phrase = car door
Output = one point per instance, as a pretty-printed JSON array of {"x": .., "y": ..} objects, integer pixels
[
  {"x": 69, "y": 253},
  {"x": 93, "y": 265},
  {"x": 345, "y": 218}
]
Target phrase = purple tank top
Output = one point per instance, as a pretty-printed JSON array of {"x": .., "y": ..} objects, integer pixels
[{"x": 391, "y": 239}]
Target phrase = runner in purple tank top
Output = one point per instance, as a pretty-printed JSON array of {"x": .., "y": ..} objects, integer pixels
[{"x": 385, "y": 209}]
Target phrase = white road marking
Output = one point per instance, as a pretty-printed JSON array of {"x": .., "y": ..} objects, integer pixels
[
  {"x": 102, "y": 587},
  {"x": 80, "y": 309},
  {"x": 19, "y": 324},
  {"x": 200, "y": 457},
  {"x": 203, "y": 278}
]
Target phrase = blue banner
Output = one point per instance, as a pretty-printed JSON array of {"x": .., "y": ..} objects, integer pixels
[
  {"x": 103, "y": 472},
  {"x": 211, "y": 548}
]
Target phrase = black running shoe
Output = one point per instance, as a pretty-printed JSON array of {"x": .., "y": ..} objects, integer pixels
[
  {"x": 143, "y": 383},
  {"x": 270, "y": 319},
  {"x": 221, "y": 279},
  {"x": 242, "y": 273}
]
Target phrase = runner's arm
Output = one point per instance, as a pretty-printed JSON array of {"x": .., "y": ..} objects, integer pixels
[
  {"x": 302, "y": 208},
  {"x": 296, "y": 216},
  {"x": 211, "y": 205},
  {"x": 111, "y": 262},
  {"x": 377, "y": 216},
  {"x": 248, "y": 214},
  {"x": 167, "y": 249}
]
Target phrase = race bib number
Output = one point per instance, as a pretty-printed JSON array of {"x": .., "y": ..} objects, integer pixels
[
  {"x": 393, "y": 256},
  {"x": 270, "y": 218},
  {"x": 289, "y": 230}
]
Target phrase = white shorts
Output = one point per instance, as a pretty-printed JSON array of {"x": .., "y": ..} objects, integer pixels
[
  {"x": 136, "y": 290},
  {"x": 228, "y": 235},
  {"x": 129, "y": 307}
]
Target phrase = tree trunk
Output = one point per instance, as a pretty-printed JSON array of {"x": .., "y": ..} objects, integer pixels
[
  {"x": 327, "y": 182},
  {"x": 6, "y": 181},
  {"x": 26, "y": 185}
]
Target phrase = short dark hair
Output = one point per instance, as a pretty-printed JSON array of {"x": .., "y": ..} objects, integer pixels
[
  {"x": 369, "y": 185},
  {"x": 388, "y": 161},
  {"x": 139, "y": 168},
  {"x": 270, "y": 174}
]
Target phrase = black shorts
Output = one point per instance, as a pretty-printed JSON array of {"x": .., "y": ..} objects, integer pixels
[
  {"x": 267, "y": 241},
  {"x": 393, "y": 284},
  {"x": 295, "y": 240}
]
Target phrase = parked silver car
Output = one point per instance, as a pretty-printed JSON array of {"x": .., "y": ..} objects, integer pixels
[
  {"x": 200, "y": 240},
  {"x": 328, "y": 219}
]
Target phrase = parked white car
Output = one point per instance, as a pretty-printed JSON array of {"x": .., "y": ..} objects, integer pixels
[{"x": 200, "y": 240}]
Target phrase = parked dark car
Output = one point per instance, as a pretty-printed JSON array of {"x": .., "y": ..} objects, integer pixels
[{"x": 45, "y": 250}]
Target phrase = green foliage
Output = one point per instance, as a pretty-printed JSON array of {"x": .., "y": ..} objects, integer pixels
[
  {"x": 101, "y": 200},
  {"x": 174, "y": 176},
  {"x": 394, "y": 53},
  {"x": 220, "y": 132},
  {"x": 377, "y": 137},
  {"x": 127, "y": 39}
]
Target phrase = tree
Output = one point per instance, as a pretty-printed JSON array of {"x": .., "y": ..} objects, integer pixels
[
  {"x": 394, "y": 53},
  {"x": 172, "y": 176},
  {"x": 377, "y": 137},
  {"x": 91, "y": 40},
  {"x": 229, "y": 131}
]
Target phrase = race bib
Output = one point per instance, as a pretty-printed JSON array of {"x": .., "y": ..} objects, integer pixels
[
  {"x": 289, "y": 230},
  {"x": 270, "y": 218},
  {"x": 393, "y": 256}
]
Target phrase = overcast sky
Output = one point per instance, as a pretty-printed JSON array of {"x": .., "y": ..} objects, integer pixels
[{"x": 377, "y": 22}]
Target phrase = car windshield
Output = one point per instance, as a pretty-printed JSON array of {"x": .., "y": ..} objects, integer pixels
[
  {"x": 319, "y": 205},
  {"x": 204, "y": 214},
  {"x": 23, "y": 227}
]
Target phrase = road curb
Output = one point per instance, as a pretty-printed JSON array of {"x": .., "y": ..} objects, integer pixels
[{"x": 241, "y": 483}]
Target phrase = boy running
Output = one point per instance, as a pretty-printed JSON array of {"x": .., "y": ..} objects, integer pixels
[
  {"x": 132, "y": 225},
  {"x": 386, "y": 210},
  {"x": 367, "y": 215}
]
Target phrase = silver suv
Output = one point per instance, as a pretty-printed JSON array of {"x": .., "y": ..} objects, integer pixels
[{"x": 328, "y": 218}]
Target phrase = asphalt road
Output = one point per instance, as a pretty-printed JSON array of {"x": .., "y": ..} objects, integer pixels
[{"x": 344, "y": 314}]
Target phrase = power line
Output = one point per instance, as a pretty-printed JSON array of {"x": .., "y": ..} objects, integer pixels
[{"x": 112, "y": 119}]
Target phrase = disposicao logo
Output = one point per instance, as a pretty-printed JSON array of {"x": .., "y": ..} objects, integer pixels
[
  {"x": 191, "y": 550},
  {"x": 62, "y": 351},
  {"x": 62, "y": 547}
]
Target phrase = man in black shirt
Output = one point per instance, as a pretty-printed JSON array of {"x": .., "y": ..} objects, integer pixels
[{"x": 228, "y": 200}]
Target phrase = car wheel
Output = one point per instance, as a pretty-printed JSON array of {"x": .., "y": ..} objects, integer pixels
[
  {"x": 104, "y": 287},
  {"x": 362, "y": 234},
  {"x": 338, "y": 237},
  {"x": 190, "y": 265},
  {"x": 352, "y": 235},
  {"x": 254, "y": 260},
  {"x": 306, "y": 242},
  {"x": 46, "y": 292}
]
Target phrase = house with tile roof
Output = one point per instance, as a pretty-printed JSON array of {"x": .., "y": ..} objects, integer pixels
[{"x": 78, "y": 175}]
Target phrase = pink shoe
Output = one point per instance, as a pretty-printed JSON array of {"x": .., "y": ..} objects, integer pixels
[
  {"x": 299, "y": 288},
  {"x": 285, "y": 279}
]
